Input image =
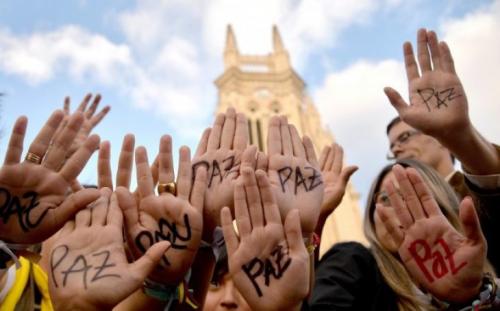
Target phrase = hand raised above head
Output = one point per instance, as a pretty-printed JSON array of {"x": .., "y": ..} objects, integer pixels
[
  {"x": 35, "y": 192},
  {"x": 438, "y": 104},
  {"x": 447, "y": 263},
  {"x": 174, "y": 215},
  {"x": 220, "y": 151},
  {"x": 294, "y": 173},
  {"x": 88, "y": 267},
  {"x": 90, "y": 118},
  {"x": 268, "y": 262}
]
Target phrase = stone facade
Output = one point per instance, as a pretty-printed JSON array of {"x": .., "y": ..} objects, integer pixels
[{"x": 264, "y": 85}]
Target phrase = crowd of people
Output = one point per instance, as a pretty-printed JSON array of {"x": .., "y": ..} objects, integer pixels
[{"x": 234, "y": 228}]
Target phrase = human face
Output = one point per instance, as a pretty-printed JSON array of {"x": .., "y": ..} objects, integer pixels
[
  {"x": 407, "y": 143},
  {"x": 381, "y": 197},
  {"x": 225, "y": 297}
]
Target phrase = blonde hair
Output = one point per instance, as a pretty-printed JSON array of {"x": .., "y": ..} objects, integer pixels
[{"x": 389, "y": 264}]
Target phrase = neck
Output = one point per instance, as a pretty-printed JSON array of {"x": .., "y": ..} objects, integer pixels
[{"x": 445, "y": 168}]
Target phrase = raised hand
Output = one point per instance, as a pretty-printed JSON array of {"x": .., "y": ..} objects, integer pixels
[
  {"x": 447, "y": 263},
  {"x": 269, "y": 263},
  {"x": 35, "y": 204},
  {"x": 220, "y": 151},
  {"x": 175, "y": 216},
  {"x": 294, "y": 174},
  {"x": 90, "y": 118},
  {"x": 335, "y": 178},
  {"x": 88, "y": 265},
  {"x": 438, "y": 105}
]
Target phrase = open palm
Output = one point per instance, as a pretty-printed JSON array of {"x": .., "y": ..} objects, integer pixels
[
  {"x": 35, "y": 192},
  {"x": 447, "y": 263},
  {"x": 293, "y": 172}
]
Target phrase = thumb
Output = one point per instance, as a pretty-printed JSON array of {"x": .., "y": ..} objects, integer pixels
[
  {"x": 73, "y": 203},
  {"x": 470, "y": 221},
  {"x": 142, "y": 267},
  {"x": 347, "y": 173},
  {"x": 396, "y": 100}
]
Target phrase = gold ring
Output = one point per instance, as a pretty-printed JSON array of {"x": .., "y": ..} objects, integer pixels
[
  {"x": 170, "y": 187},
  {"x": 33, "y": 158}
]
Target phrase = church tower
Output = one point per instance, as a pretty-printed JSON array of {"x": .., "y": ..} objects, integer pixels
[{"x": 264, "y": 85}]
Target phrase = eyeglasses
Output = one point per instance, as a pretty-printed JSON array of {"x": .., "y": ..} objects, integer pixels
[{"x": 401, "y": 140}]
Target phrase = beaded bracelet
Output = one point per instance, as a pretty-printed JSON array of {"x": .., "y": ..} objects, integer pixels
[{"x": 489, "y": 296}]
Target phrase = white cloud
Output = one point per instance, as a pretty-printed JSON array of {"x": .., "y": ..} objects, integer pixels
[
  {"x": 475, "y": 46},
  {"x": 70, "y": 49}
]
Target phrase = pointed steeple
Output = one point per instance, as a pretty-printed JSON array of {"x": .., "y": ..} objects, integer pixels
[
  {"x": 231, "y": 45},
  {"x": 231, "y": 54},
  {"x": 277, "y": 42}
]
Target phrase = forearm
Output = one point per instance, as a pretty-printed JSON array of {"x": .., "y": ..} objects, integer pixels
[
  {"x": 201, "y": 274},
  {"x": 477, "y": 155}
]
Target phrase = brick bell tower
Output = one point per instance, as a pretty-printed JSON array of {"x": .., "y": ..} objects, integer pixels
[{"x": 261, "y": 86}]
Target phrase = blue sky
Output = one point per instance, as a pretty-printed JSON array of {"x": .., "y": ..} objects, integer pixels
[{"x": 155, "y": 62}]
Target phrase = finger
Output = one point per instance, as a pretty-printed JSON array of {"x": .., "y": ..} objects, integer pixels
[
  {"x": 310, "y": 153},
  {"x": 76, "y": 186},
  {"x": 262, "y": 161},
  {"x": 68, "y": 227},
  {"x": 128, "y": 205},
  {"x": 399, "y": 206},
  {"x": 229, "y": 128},
  {"x": 322, "y": 158},
  {"x": 15, "y": 148},
  {"x": 216, "y": 132},
  {"x": 76, "y": 163},
  {"x": 347, "y": 172},
  {"x": 410, "y": 63},
  {"x": 165, "y": 161},
  {"x": 202, "y": 145},
  {"x": 407, "y": 190},
  {"x": 274, "y": 136},
  {"x": 338, "y": 159},
  {"x": 424, "y": 194},
  {"x": 42, "y": 140},
  {"x": 298, "y": 146},
  {"x": 248, "y": 158},
  {"x": 329, "y": 158},
  {"x": 155, "y": 167},
  {"x": 83, "y": 105},
  {"x": 241, "y": 210},
  {"x": 83, "y": 218},
  {"x": 423, "y": 51},
  {"x": 56, "y": 154},
  {"x": 391, "y": 225},
  {"x": 447, "y": 62},
  {"x": 253, "y": 198},
  {"x": 240, "y": 141},
  {"x": 92, "y": 108},
  {"x": 199, "y": 188},
  {"x": 144, "y": 178},
  {"x": 115, "y": 215},
  {"x": 104, "y": 174},
  {"x": 271, "y": 210},
  {"x": 396, "y": 100},
  {"x": 98, "y": 117},
  {"x": 470, "y": 222},
  {"x": 100, "y": 208},
  {"x": 184, "y": 179},
  {"x": 143, "y": 266},
  {"x": 293, "y": 233},
  {"x": 286, "y": 139},
  {"x": 72, "y": 204},
  {"x": 67, "y": 102},
  {"x": 230, "y": 236},
  {"x": 434, "y": 48},
  {"x": 124, "y": 172}
]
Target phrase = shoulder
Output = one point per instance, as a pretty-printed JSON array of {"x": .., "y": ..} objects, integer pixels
[{"x": 347, "y": 250}]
